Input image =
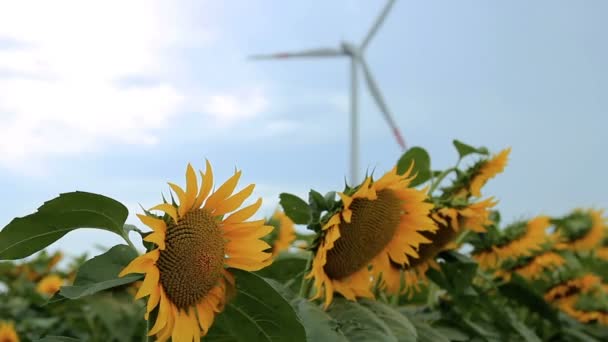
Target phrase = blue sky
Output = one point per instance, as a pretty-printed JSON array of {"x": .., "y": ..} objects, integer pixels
[{"x": 116, "y": 98}]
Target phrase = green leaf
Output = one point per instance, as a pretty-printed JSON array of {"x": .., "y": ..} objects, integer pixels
[
  {"x": 426, "y": 333},
  {"x": 287, "y": 269},
  {"x": 401, "y": 327},
  {"x": 318, "y": 324},
  {"x": 422, "y": 164},
  {"x": 451, "y": 332},
  {"x": 101, "y": 273},
  {"x": 457, "y": 273},
  {"x": 520, "y": 327},
  {"x": 57, "y": 339},
  {"x": 464, "y": 149},
  {"x": 518, "y": 291},
  {"x": 317, "y": 201},
  {"x": 359, "y": 323},
  {"x": 295, "y": 208},
  {"x": 26, "y": 235},
  {"x": 257, "y": 313}
]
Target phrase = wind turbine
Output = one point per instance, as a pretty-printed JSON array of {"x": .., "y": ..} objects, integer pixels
[{"x": 357, "y": 59}]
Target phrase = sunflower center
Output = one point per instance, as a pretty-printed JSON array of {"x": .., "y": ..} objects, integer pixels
[
  {"x": 193, "y": 259},
  {"x": 372, "y": 226}
]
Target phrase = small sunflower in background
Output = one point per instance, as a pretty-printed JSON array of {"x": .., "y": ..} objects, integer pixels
[
  {"x": 585, "y": 298},
  {"x": 531, "y": 267},
  {"x": 583, "y": 283},
  {"x": 185, "y": 275},
  {"x": 55, "y": 259},
  {"x": 49, "y": 285},
  {"x": 284, "y": 233},
  {"x": 582, "y": 230},
  {"x": 451, "y": 223},
  {"x": 480, "y": 173},
  {"x": 8, "y": 332},
  {"x": 378, "y": 224},
  {"x": 602, "y": 251},
  {"x": 519, "y": 239}
]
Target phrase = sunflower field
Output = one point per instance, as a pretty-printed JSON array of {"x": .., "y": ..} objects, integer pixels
[{"x": 409, "y": 254}]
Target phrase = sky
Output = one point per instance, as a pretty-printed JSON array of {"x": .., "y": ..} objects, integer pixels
[{"x": 117, "y": 97}]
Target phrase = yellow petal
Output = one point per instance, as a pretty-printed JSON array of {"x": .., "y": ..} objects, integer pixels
[
  {"x": 223, "y": 191},
  {"x": 334, "y": 220},
  {"x": 191, "y": 188},
  {"x": 168, "y": 209},
  {"x": 149, "y": 284},
  {"x": 141, "y": 264},
  {"x": 245, "y": 234},
  {"x": 181, "y": 194},
  {"x": 235, "y": 201},
  {"x": 205, "y": 315},
  {"x": 205, "y": 186},
  {"x": 157, "y": 225},
  {"x": 182, "y": 332},
  {"x": 157, "y": 238},
  {"x": 248, "y": 264},
  {"x": 243, "y": 214},
  {"x": 153, "y": 300},
  {"x": 163, "y": 314},
  {"x": 166, "y": 332}
]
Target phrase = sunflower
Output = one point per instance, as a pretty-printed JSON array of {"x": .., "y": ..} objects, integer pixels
[
  {"x": 185, "y": 275},
  {"x": 7, "y": 332},
  {"x": 482, "y": 172},
  {"x": 518, "y": 240},
  {"x": 450, "y": 223},
  {"x": 581, "y": 231},
  {"x": 49, "y": 285},
  {"x": 55, "y": 259},
  {"x": 569, "y": 306},
  {"x": 584, "y": 283},
  {"x": 379, "y": 225},
  {"x": 534, "y": 267},
  {"x": 583, "y": 298},
  {"x": 286, "y": 233},
  {"x": 602, "y": 253}
]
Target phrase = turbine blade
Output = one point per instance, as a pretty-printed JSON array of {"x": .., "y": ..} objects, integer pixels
[
  {"x": 377, "y": 95},
  {"x": 321, "y": 52},
  {"x": 377, "y": 23}
]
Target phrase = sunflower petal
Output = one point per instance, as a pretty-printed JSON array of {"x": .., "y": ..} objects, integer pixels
[
  {"x": 141, "y": 264},
  {"x": 149, "y": 284},
  {"x": 205, "y": 186},
  {"x": 245, "y": 234},
  {"x": 243, "y": 214},
  {"x": 157, "y": 225},
  {"x": 223, "y": 191},
  {"x": 168, "y": 209},
  {"x": 191, "y": 188},
  {"x": 181, "y": 196},
  {"x": 158, "y": 239},
  {"x": 163, "y": 314},
  {"x": 234, "y": 201}
]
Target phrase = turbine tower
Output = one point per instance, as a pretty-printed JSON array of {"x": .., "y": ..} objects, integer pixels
[{"x": 357, "y": 59}]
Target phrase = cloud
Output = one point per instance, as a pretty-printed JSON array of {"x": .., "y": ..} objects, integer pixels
[
  {"x": 59, "y": 76},
  {"x": 227, "y": 108}
]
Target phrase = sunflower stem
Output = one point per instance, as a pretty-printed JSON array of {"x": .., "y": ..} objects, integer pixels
[
  {"x": 125, "y": 236},
  {"x": 305, "y": 285},
  {"x": 440, "y": 178},
  {"x": 462, "y": 236},
  {"x": 432, "y": 294},
  {"x": 146, "y": 337}
]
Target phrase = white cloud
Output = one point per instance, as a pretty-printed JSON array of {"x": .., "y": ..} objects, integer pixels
[
  {"x": 227, "y": 108},
  {"x": 63, "y": 95}
]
